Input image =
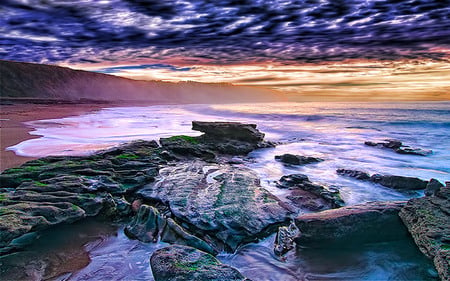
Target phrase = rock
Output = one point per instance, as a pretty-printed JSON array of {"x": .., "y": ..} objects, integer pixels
[
  {"x": 149, "y": 225},
  {"x": 308, "y": 195},
  {"x": 399, "y": 182},
  {"x": 432, "y": 187},
  {"x": 54, "y": 190},
  {"x": 398, "y": 147},
  {"x": 229, "y": 130},
  {"x": 225, "y": 201},
  {"x": 428, "y": 221},
  {"x": 292, "y": 181},
  {"x": 188, "y": 146},
  {"x": 297, "y": 159},
  {"x": 394, "y": 144},
  {"x": 413, "y": 151},
  {"x": 21, "y": 218},
  {"x": 284, "y": 241},
  {"x": 395, "y": 182},
  {"x": 354, "y": 174},
  {"x": 179, "y": 263},
  {"x": 231, "y": 138},
  {"x": 175, "y": 234},
  {"x": 351, "y": 225}
]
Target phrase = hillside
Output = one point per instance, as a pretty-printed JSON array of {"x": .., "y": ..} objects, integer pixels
[{"x": 20, "y": 80}]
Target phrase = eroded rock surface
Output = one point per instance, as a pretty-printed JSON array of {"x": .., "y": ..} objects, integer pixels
[
  {"x": 223, "y": 200},
  {"x": 307, "y": 195},
  {"x": 180, "y": 263},
  {"x": 428, "y": 221},
  {"x": 348, "y": 226}
]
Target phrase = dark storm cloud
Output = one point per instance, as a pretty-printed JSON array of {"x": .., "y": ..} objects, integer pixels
[{"x": 223, "y": 31}]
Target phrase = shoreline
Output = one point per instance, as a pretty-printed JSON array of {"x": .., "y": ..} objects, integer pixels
[{"x": 13, "y": 129}]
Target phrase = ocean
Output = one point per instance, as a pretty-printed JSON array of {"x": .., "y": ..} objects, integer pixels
[{"x": 335, "y": 132}]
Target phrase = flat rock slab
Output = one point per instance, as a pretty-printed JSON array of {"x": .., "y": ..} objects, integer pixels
[
  {"x": 223, "y": 200},
  {"x": 428, "y": 221},
  {"x": 347, "y": 226},
  {"x": 180, "y": 263}
]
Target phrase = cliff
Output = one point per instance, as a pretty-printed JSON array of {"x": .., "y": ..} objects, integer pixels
[{"x": 27, "y": 81}]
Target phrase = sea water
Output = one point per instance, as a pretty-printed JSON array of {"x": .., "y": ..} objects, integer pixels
[{"x": 333, "y": 131}]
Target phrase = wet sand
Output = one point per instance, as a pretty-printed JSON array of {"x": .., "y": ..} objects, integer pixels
[{"x": 13, "y": 130}]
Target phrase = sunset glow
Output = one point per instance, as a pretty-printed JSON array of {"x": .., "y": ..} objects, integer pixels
[{"x": 310, "y": 50}]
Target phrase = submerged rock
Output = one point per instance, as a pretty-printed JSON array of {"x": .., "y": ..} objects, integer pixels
[
  {"x": 297, "y": 159},
  {"x": 398, "y": 147},
  {"x": 395, "y": 182},
  {"x": 224, "y": 201},
  {"x": 428, "y": 221},
  {"x": 352, "y": 225},
  {"x": 179, "y": 263},
  {"x": 307, "y": 195}
]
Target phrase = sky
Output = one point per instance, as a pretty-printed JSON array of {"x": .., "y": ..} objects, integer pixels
[{"x": 308, "y": 49}]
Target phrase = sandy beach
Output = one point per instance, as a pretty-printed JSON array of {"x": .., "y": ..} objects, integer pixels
[{"x": 14, "y": 130}]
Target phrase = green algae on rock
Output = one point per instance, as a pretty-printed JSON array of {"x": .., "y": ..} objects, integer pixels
[
  {"x": 427, "y": 219},
  {"x": 227, "y": 202},
  {"x": 177, "y": 263}
]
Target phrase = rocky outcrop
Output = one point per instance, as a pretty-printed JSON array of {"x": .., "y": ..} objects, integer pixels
[
  {"x": 399, "y": 147},
  {"x": 55, "y": 190},
  {"x": 297, "y": 159},
  {"x": 179, "y": 263},
  {"x": 204, "y": 204},
  {"x": 228, "y": 130},
  {"x": 352, "y": 225},
  {"x": 428, "y": 221},
  {"x": 307, "y": 195},
  {"x": 230, "y": 138},
  {"x": 224, "y": 201},
  {"x": 395, "y": 182}
]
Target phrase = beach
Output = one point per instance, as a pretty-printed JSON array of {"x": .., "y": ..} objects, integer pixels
[{"x": 13, "y": 129}]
